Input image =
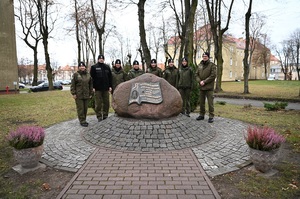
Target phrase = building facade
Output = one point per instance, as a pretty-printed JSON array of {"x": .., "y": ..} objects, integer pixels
[
  {"x": 233, "y": 55},
  {"x": 8, "y": 52}
]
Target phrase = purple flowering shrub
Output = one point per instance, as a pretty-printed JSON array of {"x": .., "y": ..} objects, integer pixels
[
  {"x": 263, "y": 138},
  {"x": 26, "y": 137}
]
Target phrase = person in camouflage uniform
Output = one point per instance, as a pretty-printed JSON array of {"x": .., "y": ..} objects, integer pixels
[
  {"x": 135, "y": 71},
  {"x": 82, "y": 90},
  {"x": 185, "y": 84},
  {"x": 154, "y": 69},
  {"x": 171, "y": 73},
  {"x": 102, "y": 83},
  {"x": 205, "y": 76},
  {"x": 118, "y": 75}
]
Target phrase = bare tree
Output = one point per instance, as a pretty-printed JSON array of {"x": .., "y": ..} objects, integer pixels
[
  {"x": 77, "y": 31},
  {"x": 28, "y": 19},
  {"x": 185, "y": 17},
  {"x": 202, "y": 36},
  {"x": 170, "y": 40},
  {"x": 284, "y": 55},
  {"x": 215, "y": 18},
  {"x": 100, "y": 27},
  {"x": 146, "y": 56},
  {"x": 44, "y": 15},
  {"x": 257, "y": 22}
]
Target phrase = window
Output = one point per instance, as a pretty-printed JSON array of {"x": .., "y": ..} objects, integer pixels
[
  {"x": 230, "y": 74},
  {"x": 230, "y": 61}
]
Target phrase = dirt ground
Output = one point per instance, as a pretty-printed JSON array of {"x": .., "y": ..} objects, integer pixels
[
  {"x": 44, "y": 183},
  {"x": 47, "y": 182},
  {"x": 226, "y": 184}
]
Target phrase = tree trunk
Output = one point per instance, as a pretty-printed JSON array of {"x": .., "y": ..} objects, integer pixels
[
  {"x": 77, "y": 33},
  {"x": 297, "y": 61},
  {"x": 48, "y": 64},
  {"x": 219, "y": 65},
  {"x": 143, "y": 40},
  {"x": 246, "y": 51},
  {"x": 35, "y": 67},
  {"x": 189, "y": 23}
]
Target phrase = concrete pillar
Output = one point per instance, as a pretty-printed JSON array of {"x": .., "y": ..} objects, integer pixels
[{"x": 8, "y": 52}]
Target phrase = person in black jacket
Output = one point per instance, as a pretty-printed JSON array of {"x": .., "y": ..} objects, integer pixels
[{"x": 102, "y": 84}]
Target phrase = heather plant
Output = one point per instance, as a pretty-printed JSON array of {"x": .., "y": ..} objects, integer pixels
[
  {"x": 263, "y": 138},
  {"x": 26, "y": 137}
]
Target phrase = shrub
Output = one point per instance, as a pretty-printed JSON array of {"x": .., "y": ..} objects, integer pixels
[
  {"x": 26, "y": 137},
  {"x": 275, "y": 107},
  {"x": 264, "y": 138}
]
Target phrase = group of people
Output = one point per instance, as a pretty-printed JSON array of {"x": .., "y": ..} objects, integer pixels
[{"x": 102, "y": 80}]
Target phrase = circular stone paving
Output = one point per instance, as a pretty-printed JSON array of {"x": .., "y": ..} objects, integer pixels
[{"x": 149, "y": 135}]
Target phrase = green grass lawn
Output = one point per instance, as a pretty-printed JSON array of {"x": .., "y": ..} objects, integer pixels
[
  {"x": 51, "y": 107},
  {"x": 289, "y": 90}
]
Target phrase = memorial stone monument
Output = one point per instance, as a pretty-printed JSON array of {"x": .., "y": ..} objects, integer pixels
[
  {"x": 147, "y": 97},
  {"x": 8, "y": 52}
]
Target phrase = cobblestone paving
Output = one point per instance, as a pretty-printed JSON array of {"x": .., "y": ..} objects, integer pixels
[
  {"x": 220, "y": 148},
  {"x": 147, "y": 135},
  {"x": 64, "y": 148},
  {"x": 227, "y": 151}
]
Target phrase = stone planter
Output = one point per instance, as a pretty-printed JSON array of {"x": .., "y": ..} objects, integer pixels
[
  {"x": 29, "y": 158},
  {"x": 264, "y": 161}
]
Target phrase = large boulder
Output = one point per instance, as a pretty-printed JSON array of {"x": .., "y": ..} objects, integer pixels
[{"x": 167, "y": 100}]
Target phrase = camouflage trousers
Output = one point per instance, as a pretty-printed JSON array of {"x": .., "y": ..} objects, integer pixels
[{"x": 102, "y": 104}]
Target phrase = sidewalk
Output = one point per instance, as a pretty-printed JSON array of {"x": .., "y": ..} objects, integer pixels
[{"x": 119, "y": 158}]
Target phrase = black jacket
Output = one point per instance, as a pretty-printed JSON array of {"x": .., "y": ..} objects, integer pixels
[{"x": 102, "y": 77}]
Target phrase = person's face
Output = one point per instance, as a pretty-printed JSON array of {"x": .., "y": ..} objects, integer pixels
[
  {"x": 118, "y": 65},
  {"x": 101, "y": 60},
  {"x": 136, "y": 66},
  {"x": 82, "y": 68},
  {"x": 184, "y": 62},
  {"x": 153, "y": 65},
  {"x": 205, "y": 57},
  {"x": 171, "y": 64}
]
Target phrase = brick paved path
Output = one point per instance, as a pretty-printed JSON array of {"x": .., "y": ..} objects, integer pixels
[
  {"x": 120, "y": 158},
  {"x": 110, "y": 174}
]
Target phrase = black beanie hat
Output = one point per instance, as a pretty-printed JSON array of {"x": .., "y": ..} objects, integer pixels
[
  {"x": 135, "y": 62},
  {"x": 100, "y": 57},
  {"x": 206, "y": 53},
  {"x": 118, "y": 61},
  {"x": 81, "y": 64},
  {"x": 184, "y": 59},
  {"x": 170, "y": 60},
  {"x": 153, "y": 61}
]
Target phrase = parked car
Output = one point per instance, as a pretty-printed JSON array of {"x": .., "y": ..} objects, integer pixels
[
  {"x": 21, "y": 85},
  {"x": 45, "y": 86},
  {"x": 40, "y": 81},
  {"x": 59, "y": 81},
  {"x": 66, "y": 82}
]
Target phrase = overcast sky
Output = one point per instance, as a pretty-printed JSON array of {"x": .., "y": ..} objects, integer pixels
[{"x": 282, "y": 20}]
